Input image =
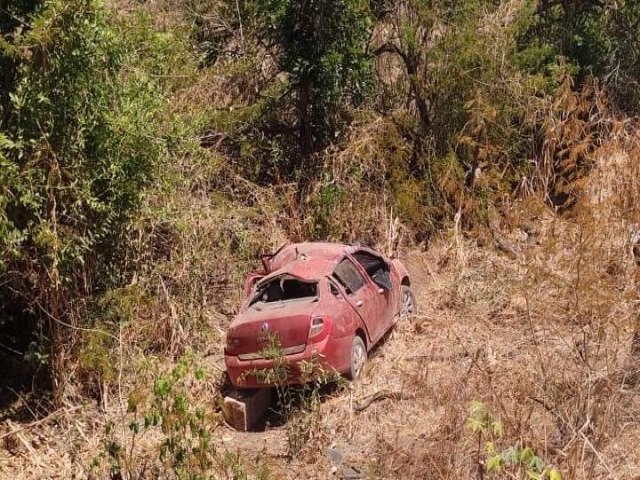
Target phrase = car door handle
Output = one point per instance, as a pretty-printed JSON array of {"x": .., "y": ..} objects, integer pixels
[{"x": 359, "y": 303}]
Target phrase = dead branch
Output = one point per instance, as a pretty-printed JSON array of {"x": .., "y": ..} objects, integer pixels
[
  {"x": 39, "y": 422},
  {"x": 366, "y": 402}
]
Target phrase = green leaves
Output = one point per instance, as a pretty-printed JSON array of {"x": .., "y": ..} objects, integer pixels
[
  {"x": 554, "y": 474},
  {"x": 84, "y": 126},
  {"x": 162, "y": 388},
  {"x": 323, "y": 50},
  {"x": 509, "y": 459},
  {"x": 593, "y": 38},
  {"x": 82, "y": 131},
  {"x": 480, "y": 420}
]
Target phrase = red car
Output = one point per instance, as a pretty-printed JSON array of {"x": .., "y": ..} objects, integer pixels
[{"x": 327, "y": 301}]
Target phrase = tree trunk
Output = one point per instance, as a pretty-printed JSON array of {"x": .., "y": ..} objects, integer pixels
[
  {"x": 57, "y": 361},
  {"x": 305, "y": 139},
  {"x": 634, "y": 233},
  {"x": 55, "y": 301}
]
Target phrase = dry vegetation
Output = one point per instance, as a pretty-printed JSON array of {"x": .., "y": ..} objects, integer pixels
[
  {"x": 540, "y": 335},
  {"x": 525, "y": 276}
]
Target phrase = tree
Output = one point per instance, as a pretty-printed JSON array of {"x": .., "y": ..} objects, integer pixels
[
  {"x": 14, "y": 18},
  {"x": 78, "y": 145},
  {"x": 599, "y": 38},
  {"x": 321, "y": 45}
]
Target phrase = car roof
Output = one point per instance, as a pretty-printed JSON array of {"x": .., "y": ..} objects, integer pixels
[{"x": 309, "y": 260}]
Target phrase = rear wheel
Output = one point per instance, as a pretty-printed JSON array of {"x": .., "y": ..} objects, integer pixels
[
  {"x": 358, "y": 357},
  {"x": 409, "y": 305}
]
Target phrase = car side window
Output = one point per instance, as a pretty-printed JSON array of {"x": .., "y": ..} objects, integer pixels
[
  {"x": 376, "y": 268},
  {"x": 349, "y": 277}
]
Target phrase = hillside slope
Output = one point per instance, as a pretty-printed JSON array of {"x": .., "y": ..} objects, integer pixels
[
  {"x": 493, "y": 329},
  {"x": 150, "y": 151}
]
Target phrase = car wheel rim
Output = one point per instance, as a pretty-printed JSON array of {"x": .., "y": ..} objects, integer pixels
[
  {"x": 408, "y": 307},
  {"x": 358, "y": 358}
]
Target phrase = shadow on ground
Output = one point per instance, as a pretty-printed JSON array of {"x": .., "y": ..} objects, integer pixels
[{"x": 24, "y": 386}]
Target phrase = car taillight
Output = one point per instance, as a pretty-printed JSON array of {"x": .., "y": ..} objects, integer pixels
[
  {"x": 319, "y": 328},
  {"x": 317, "y": 325}
]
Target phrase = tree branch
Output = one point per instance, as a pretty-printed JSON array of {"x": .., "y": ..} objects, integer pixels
[{"x": 390, "y": 47}]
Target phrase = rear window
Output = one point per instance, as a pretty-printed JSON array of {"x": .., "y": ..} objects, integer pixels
[
  {"x": 348, "y": 275},
  {"x": 285, "y": 288}
]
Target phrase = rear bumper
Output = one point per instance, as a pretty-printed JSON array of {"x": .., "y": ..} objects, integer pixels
[{"x": 332, "y": 354}]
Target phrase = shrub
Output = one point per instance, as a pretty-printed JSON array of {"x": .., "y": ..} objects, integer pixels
[
  {"x": 80, "y": 141},
  {"x": 595, "y": 38},
  {"x": 185, "y": 426},
  {"x": 509, "y": 462}
]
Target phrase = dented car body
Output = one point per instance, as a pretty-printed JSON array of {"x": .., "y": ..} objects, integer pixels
[{"x": 324, "y": 301}]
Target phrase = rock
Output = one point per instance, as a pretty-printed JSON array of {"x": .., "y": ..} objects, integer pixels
[
  {"x": 335, "y": 455},
  {"x": 243, "y": 410},
  {"x": 350, "y": 473}
]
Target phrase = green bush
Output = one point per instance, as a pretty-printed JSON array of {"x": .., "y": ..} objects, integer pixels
[
  {"x": 185, "y": 425},
  {"x": 323, "y": 52},
  {"x": 594, "y": 38},
  {"x": 79, "y": 140},
  {"x": 499, "y": 461},
  {"x": 305, "y": 64}
]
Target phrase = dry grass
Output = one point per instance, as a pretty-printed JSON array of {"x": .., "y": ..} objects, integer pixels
[
  {"x": 543, "y": 340},
  {"x": 542, "y": 336}
]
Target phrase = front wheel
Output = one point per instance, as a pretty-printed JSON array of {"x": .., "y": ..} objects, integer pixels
[
  {"x": 358, "y": 357},
  {"x": 409, "y": 306}
]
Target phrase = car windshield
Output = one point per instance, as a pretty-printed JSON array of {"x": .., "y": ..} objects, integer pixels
[{"x": 285, "y": 288}]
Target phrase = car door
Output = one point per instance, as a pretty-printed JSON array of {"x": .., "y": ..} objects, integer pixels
[
  {"x": 378, "y": 273},
  {"x": 342, "y": 307},
  {"x": 361, "y": 292}
]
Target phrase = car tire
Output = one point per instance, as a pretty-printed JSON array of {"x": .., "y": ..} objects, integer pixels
[
  {"x": 358, "y": 357},
  {"x": 409, "y": 307}
]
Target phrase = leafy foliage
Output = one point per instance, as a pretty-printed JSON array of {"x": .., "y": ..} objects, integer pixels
[
  {"x": 80, "y": 141},
  {"x": 323, "y": 51},
  {"x": 300, "y": 405},
  {"x": 509, "y": 462},
  {"x": 348, "y": 120},
  {"x": 469, "y": 104},
  {"x": 189, "y": 449},
  {"x": 596, "y": 38},
  {"x": 14, "y": 18}
]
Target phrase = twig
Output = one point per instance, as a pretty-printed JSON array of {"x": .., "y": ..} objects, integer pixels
[
  {"x": 74, "y": 327},
  {"x": 379, "y": 395},
  {"x": 33, "y": 414},
  {"x": 240, "y": 22},
  {"x": 38, "y": 422},
  {"x": 350, "y": 412},
  {"x": 24, "y": 442},
  {"x": 11, "y": 350},
  {"x": 17, "y": 19},
  {"x": 598, "y": 455}
]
